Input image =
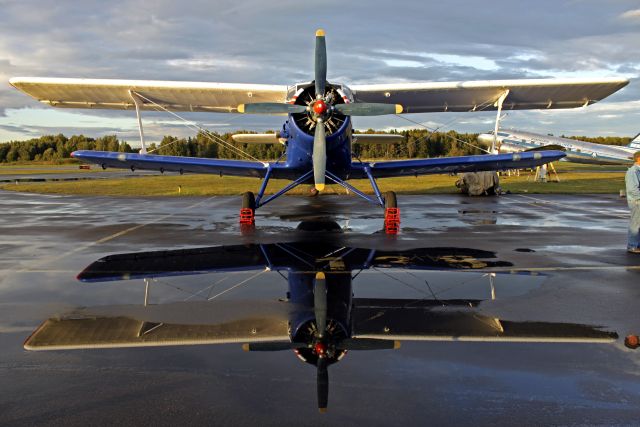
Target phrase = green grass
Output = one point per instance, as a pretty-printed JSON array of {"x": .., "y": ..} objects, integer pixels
[{"x": 208, "y": 185}]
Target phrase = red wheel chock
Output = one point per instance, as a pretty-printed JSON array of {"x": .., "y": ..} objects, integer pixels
[
  {"x": 391, "y": 220},
  {"x": 247, "y": 216}
]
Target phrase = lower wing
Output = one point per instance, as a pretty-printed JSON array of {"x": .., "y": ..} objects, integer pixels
[
  {"x": 171, "y": 163},
  {"x": 489, "y": 162}
]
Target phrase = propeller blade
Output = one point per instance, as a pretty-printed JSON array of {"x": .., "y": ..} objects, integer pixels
[
  {"x": 321, "y": 63},
  {"x": 320, "y": 303},
  {"x": 271, "y": 108},
  {"x": 323, "y": 385},
  {"x": 368, "y": 109},
  {"x": 367, "y": 344},
  {"x": 319, "y": 155},
  {"x": 272, "y": 346}
]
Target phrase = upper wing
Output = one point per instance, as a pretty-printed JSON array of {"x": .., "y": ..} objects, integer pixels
[
  {"x": 437, "y": 165},
  {"x": 481, "y": 95},
  {"x": 172, "y": 95},
  {"x": 171, "y": 163}
]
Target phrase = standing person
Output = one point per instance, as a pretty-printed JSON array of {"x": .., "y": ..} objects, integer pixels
[{"x": 632, "y": 181}]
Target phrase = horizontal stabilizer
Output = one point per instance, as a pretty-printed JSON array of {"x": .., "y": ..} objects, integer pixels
[
  {"x": 259, "y": 138},
  {"x": 367, "y": 138}
]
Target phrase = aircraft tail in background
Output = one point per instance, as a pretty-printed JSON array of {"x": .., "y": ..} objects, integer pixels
[{"x": 635, "y": 143}]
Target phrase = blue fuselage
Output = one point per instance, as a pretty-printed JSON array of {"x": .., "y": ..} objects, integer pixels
[{"x": 300, "y": 150}]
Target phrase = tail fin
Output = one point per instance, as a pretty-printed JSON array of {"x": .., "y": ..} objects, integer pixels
[{"x": 635, "y": 142}]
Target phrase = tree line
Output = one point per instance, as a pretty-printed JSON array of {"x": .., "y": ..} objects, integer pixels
[{"x": 418, "y": 143}]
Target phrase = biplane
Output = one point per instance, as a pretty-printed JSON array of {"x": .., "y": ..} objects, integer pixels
[{"x": 317, "y": 132}]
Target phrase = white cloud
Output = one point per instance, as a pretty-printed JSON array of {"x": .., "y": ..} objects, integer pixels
[
  {"x": 207, "y": 62},
  {"x": 631, "y": 15}
]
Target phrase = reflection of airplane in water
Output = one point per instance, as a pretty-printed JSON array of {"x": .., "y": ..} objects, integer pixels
[
  {"x": 513, "y": 141},
  {"x": 320, "y": 319}
]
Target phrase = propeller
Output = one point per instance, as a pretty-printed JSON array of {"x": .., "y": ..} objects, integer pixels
[
  {"x": 319, "y": 156},
  {"x": 320, "y": 64},
  {"x": 320, "y": 109},
  {"x": 367, "y": 109},
  {"x": 271, "y": 108}
]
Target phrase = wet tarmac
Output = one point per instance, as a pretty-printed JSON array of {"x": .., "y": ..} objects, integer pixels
[
  {"x": 35, "y": 175},
  {"x": 509, "y": 310}
]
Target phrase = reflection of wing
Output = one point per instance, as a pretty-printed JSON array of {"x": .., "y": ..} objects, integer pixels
[
  {"x": 172, "y": 95},
  {"x": 174, "y": 262},
  {"x": 455, "y": 164},
  {"x": 308, "y": 256},
  {"x": 164, "y": 325},
  {"x": 481, "y": 95},
  {"x": 410, "y": 320}
]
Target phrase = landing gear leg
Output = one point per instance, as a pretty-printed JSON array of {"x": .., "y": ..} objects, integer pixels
[
  {"x": 391, "y": 213},
  {"x": 248, "y": 210}
]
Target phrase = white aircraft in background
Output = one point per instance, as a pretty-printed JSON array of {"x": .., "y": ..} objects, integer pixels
[{"x": 511, "y": 141}]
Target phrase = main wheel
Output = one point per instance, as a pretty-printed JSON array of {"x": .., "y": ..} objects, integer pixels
[
  {"x": 390, "y": 200},
  {"x": 249, "y": 201},
  {"x": 248, "y": 210},
  {"x": 391, "y": 213}
]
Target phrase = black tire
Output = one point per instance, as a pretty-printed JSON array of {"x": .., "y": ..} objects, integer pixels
[
  {"x": 390, "y": 200},
  {"x": 249, "y": 201}
]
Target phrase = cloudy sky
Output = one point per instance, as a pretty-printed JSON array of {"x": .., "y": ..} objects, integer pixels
[{"x": 258, "y": 41}]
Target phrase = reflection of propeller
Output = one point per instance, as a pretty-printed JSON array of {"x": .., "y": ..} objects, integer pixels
[
  {"x": 323, "y": 384},
  {"x": 320, "y": 312},
  {"x": 272, "y": 346},
  {"x": 323, "y": 344},
  {"x": 320, "y": 304}
]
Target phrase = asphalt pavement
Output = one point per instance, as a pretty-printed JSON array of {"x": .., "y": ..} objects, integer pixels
[{"x": 557, "y": 259}]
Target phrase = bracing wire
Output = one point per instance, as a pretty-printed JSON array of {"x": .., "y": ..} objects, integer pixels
[{"x": 194, "y": 126}]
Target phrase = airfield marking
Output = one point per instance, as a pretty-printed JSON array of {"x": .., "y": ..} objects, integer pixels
[
  {"x": 108, "y": 238},
  {"x": 572, "y": 207}
]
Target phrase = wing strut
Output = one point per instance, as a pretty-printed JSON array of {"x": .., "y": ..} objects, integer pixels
[
  {"x": 498, "y": 103},
  {"x": 138, "y": 103}
]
